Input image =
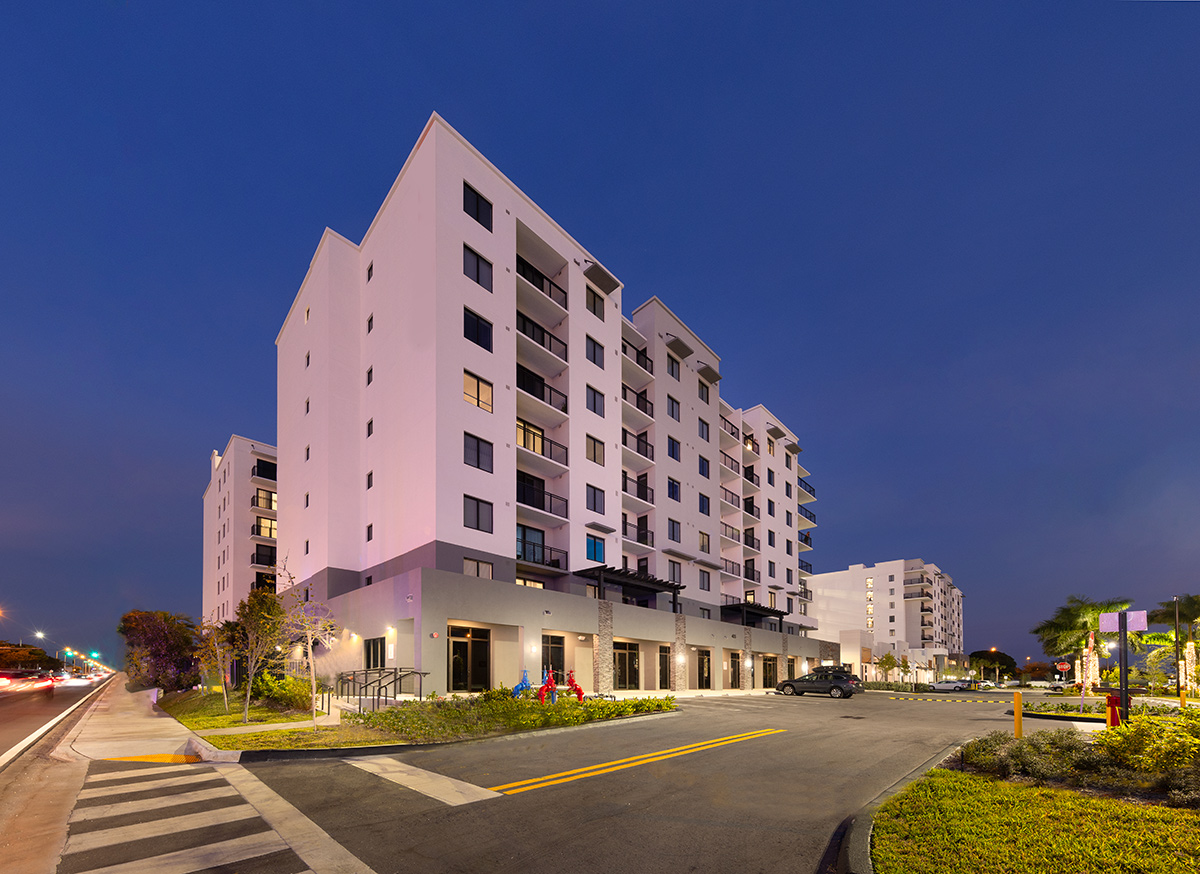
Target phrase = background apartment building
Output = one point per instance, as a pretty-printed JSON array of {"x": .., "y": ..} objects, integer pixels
[
  {"x": 239, "y": 526},
  {"x": 607, "y": 509},
  {"x": 907, "y": 606}
]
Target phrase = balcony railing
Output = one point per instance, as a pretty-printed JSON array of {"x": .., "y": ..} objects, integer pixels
[
  {"x": 910, "y": 595},
  {"x": 804, "y": 592},
  {"x": 808, "y": 488},
  {"x": 541, "y": 282},
  {"x": 257, "y": 530},
  {"x": 729, "y": 428},
  {"x": 265, "y": 503},
  {"x": 751, "y": 476},
  {"x": 731, "y": 532},
  {"x": 806, "y": 566},
  {"x": 731, "y": 567},
  {"x": 731, "y": 497},
  {"x": 638, "y": 443},
  {"x": 749, "y": 507},
  {"x": 642, "y": 535},
  {"x": 729, "y": 600},
  {"x": 639, "y": 356},
  {"x": 530, "y": 383},
  {"x": 804, "y": 537},
  {"x": 750, "y": 443},
  {"x": 730, "y": 462},
  {"x": 917, "y": 581},
  {"x": 532, "y": 496},
  {"x": 753, "y": 542},
  {"x": 807, "y": 513},
  {"x": 638, "y": 400},
  {"x": 541, "y": 336},
  {"x": 927, "y": 610},
  {"x": 641, "y": 491},
  {"x": 537, "y": 442},
  {"x": 263, "y": 558},
  {"x": 539, "y": 553},
  {"x": 265, "y": 470},
  {"x": 751, "y": 574}
]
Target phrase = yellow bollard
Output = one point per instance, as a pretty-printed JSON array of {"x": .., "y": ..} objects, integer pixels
[{"x": 1016, "y": 714}]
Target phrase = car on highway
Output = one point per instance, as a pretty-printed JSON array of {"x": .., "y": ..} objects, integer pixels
[
  {"x": 949, "y": 685},
  {"x": 26, "y": 681},
  {"x": 835, "y": 685}
]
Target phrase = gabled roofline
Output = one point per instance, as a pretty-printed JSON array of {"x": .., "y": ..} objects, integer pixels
[
  {"x": 327, "y": 235},
  {"x": 656, "y": 299}
]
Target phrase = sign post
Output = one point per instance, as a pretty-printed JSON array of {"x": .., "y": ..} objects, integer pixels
[{"x": 1123, "y": 623}]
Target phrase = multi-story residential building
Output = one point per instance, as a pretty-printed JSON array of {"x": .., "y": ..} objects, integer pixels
[
  {"x": 608, "y": 513},
  {"x": 239, "y": 526},
  {"x": 907, "y": 606}
]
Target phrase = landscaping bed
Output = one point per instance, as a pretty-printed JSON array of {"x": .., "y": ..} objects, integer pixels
[{"x": 199, "y": 710}]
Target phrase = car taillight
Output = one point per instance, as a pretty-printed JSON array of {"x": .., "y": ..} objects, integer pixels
[{"x": 4, "y": 681}]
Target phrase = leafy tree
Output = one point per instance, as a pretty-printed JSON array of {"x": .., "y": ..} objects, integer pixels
[
  {"x": 18, "y": 656},
  {"x": 1068, "y": 631},
  {"x": 1189, "y": 620},
  {"x": 160, "y": 649},
  {"x": 310, "y": 622},
  {"x": 995, "y": 661},
  {"x": 260, "y": 635},
  {"x": 887, "y": 663},
  {"x": 216, "y": 650}
]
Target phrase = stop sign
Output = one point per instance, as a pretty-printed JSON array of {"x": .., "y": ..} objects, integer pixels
[{"x": 1063, "y": 666}]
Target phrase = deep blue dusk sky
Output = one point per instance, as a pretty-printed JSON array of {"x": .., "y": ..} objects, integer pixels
[{"x": 953, "y": 245}]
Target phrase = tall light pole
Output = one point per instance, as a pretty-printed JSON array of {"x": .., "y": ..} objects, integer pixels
[{"x": 1178, "y": 663}]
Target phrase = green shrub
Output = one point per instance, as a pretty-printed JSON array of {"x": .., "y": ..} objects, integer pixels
[
  {"x": 881, "y": 686},
  {"x": 1152, "y": 744},
  {"x": 290, "y": 693}
]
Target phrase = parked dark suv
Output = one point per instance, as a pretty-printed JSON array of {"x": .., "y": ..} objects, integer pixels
[{"x": 835, "y": 685}]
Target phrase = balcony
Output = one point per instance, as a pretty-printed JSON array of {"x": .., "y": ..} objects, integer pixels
[
  {"x": 927, "y": 610},
  {"x": 805, "y": 538},
  {"x": 807, "y": 514},
  {"x": 541, "y": 282},
  {"x": 265, "y": 470},
  {"x": 731, "y": 533},
  {"x": 731, "y": 429},
  {"x": 541, "y": 555},
  {"x": 751, "y": 477},
  {"x": 259, "y": 530},
  {"x": 539, "y": 402},
  {"x": 636, "y": 450},
  {"x": 732, "y": 498},
  {"x": 752, "y": 575},
  {"x": 637, "y": 534},
  {"x": 538, "y": 346},
  {"x": 265, "y": 503},
  {"x": 540, "y": 454},
  {"x": 806, "y": 566},
  {"x": 263, "y": 557},
  {"x": 733, "y": 568},
  {"x": 923, "y": 596},
  {"x": 806, "y": 487},
  {"x": 540, "y": 499},
  {"x": 638, "y": 357},
  {"x": 637, "y": 491},
  {"x": 753, "y": 542},
  {"x": 751, "y": 509},
  {"x": 804, "y": 593},
  {"x": 731, "y": 463},
  {"x": 918, "y": 581},
  {"x": 638, "y": 409},
  {"x": 750, "y": 445}
]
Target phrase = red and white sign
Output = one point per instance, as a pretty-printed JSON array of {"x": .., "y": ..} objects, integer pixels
[{"x": 1063, "y": 666}]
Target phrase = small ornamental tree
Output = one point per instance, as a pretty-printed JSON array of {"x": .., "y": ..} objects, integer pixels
[
  {"x": 310, "y": 622},
  {"x": 160, "y": 649},
  {"x": 905, "y": 667},
  {"x": 260, "y": 634},
  {"x": 887, "y": 663},
  {"x": 217, "y": 650}
]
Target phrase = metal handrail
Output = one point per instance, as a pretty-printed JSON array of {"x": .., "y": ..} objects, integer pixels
[
  {"x": 807, "y": 487},
  {"x": 257, "y": 530},
  {"x": 532, "y": 496},
  {"x": 535, "y": 386},
  {"x": 641, "y": 491},
  {"x": 541, "y": 282},
  {"x": 806, "y": 566},
  {"x": 638, "y": 399},
  {"x": 731, "y": 532},
  {"x": 539, "y": 553},
  {"x": 730, "y": 463},
  {"x": 731, "y": 567},
  {"x": 541, "y": 336},
  {"x": 806, "y": 513},
  {"x": 751, "y": 476},
  {"x": 730, "y": 497},
  {"x": 729, "y": 428},
  {"x": 804, "y": 537},
  {"x": 272, "y": 504},
  {"x": 753, "y": 542},
  {"x": 536, "y": 441},
  {"x": 751, "y": 574},
  {"x": 638, "y": 443},
  {"x": 750, "y": 443},
  {"x": 638, "y": 356},
  {"x": 748, "y": 507},
  {"x": 637, "y": 533},
  {"x": 374, "y": 682}
]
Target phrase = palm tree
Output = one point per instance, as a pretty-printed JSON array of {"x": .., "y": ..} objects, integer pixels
[
  {"x": 1189, "y": 618},
  {"x": 1068, "y": 631}
]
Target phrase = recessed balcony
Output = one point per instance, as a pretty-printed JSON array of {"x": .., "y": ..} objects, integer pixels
[
  {"x": 638, "y": 539},
  {"x": 637, "y": 409},
  {"x": 750, "y": 450},
  {"x": 731, "y": 502},
  {"x": 539, "y": 402},
  {"x": 539, "y": 507},
  {"x": 731, "y": 568},
  {"x": 731, "y": 468},
  {"x": 637, "y": 452},
  {"x": 803, "y": 541},
  {"x": 805, "y": 566},
  {"x": 751, "y": 542},
  {"x": 731, "y": 534},
  {"x": 637, "y": 497},
  {"x": 538, "y": 295},
  {"x": 540, "y": 555},
  {"x": 807, "y": 493},
  {"x": 637, "y": 368},
  {"x": 539, "y": 454},
  {"x": 536, "y": 346}
]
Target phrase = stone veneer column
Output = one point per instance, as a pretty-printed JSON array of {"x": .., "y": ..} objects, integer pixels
[
  {"x": 747, "y": 653},
  {"x": 602, "y": 651},
  {"x": 679, "y": 661}
]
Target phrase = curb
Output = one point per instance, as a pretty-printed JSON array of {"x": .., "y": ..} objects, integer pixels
[{"x": 855, "y": 854}]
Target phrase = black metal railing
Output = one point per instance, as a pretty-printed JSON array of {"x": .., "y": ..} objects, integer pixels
[
  {"x": 750, "y": 443},
  {"x": 639, "y": 490},
  {"x": 535, "y": 441},
  {"x": 730, "y": 462},
  {"x": 731, "y": 532},
  {"x": 639, "y": 443},
  {"x": 541, "y": 282},
  {"x": 804, "y": 592},
  {"x": 805, "y": 485},
  {"x": 532, "y": 384},
  {"x": 639, "y": 356},
  {"x": 539, "y": 553},
  {"x": 263, "y": 558},
  {"x": 926, "y": 609},
  {"x": 752, "y": 541},
  {"x": 376, "y": 685},
  {"x": 917, "y": 581},
  {"x": 729, "y": 428},
  {"x": 751, "y": 476},
  {"x": 532, "y": 496},
  {"x": 731, "y": 567},
  {"x": 752, "y": 575},
  {"x": 749, "y": 506},
  {"x": 804, "y": 537},
  {"x": 541, "y": 336},
  {"x": 638, "y": 399},
  {"x": 730, "y": 497},
  {"x": 806, "y": 566},
  {"x": 806, "y": 513},
  {"x": 910, "y": 595},
  {"x": 265, "y": 503},
  {"x": 265, "y": 470},
  {"x": 638, "y": 533},
  {"x": 260, "y": 530},
  {"x": 730, "y": 600}
]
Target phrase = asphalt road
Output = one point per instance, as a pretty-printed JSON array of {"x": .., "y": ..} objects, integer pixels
[
  {"x": 23, "y": 713},
  {"x": 765, "y": 787}
]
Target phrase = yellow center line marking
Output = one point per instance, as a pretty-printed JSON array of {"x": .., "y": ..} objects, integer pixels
[{"x": 632, "y": 762}]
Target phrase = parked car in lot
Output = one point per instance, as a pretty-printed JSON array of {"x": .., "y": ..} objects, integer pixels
[
  {"x": 949, "y": 685},
  {"x": 826, "y": 683},
  {"x": 1064, "y": 686}
]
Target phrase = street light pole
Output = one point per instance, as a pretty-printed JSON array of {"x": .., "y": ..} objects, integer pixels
[{"x": 1178, "y": 664}]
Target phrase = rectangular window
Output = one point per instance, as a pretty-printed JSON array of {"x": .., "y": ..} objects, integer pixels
[
  {"x": 595, "y": 450},
  {"x": 373, "y": 650},
  {"x": 673, "y": 489},
  {"x": 307, "y": 453},
  {"x": 771, "y": 571},
  {"x": 595, "y": 499},
  {"x": 770, "y": 507},
  {"x": 595, "y": 352},
  {"x": 770, "y": 446},
  {"x": 306, "y": 547},
  {"x": 370, "y": 532},
  {"x": 770, "y": 538},
  {"x": 770, "y": 477},
  {"x": 704, "y": 505},
  {"x": 476, "y": 267},
  {"x": 787, "y": 460},
  {"x": 307, "y": 406},
  {"x": 477, "y": 391},
  {"x": 674, "y": 572},
  {"x": 532, "y": 584},
  {"x": 789, "y": 577},
  {"x": 595, "y": 548},
  {"x": 477, "y": 329},
  {"x": 595, "y": 401},
  {"x": 705, "y": 613},
  {"x": 477, "y": 206},
  {"x": 370, "y": 478},
  {"x": 703, "y": 465},
  {"x": 788, "y": 547},
  {"x": 703, "y": 391},
  {"x": 264, "y": 527},
  {"x": 704, "y": 542},
  {"x": 705, "y": 582},
  {"x": 789, "y": 605},
  {"x": 673, "y": 448},
  {"x": 370, "y": 323},
  {"x": 370, "y": 271},
  {"x": 673, "y": 367},
  {"x": 370, "y": 375},
  {"x": 787, "y": 489},
  {"x": 306, "y": 499},
  {"x": 674, "y": 530},
  {"x": 473, "y": 567},
  {"x": 673, "y": 408},
  {"x": 477, "y": 514},
  {"x": 787, "y": 514},
  {"x": 595, "y": 303},
  {"x": 370, "y": 427},
  {"x": 703, "y": 430},
  {"x": 477, "y": 452}
]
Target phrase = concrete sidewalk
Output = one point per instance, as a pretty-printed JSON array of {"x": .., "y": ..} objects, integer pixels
[{"x": 126, "y": 725}]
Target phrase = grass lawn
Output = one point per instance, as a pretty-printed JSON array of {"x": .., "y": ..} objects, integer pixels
[
  {"x": 956, "y": 823},
  {"x": 321, "y": 737},
  {"x": 199, "y": 710}
]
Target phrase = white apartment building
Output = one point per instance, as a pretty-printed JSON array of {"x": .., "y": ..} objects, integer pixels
[
  {"x": 908, "y": 606},
  {"x": 239, "y": 526},
  {"x": 489, "y": 468}
]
